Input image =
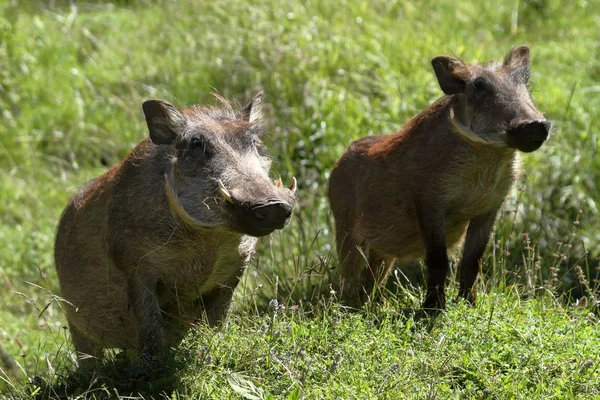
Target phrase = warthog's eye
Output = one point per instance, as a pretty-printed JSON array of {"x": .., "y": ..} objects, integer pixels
[
  {"x": 197, "y": 142},
  {"x": 480, "y": 84},
  {"x": 199, "y": 145}
]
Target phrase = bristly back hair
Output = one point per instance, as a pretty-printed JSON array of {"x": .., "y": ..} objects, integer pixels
[{"x": 384, "y": 147}]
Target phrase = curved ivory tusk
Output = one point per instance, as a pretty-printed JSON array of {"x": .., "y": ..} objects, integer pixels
[
  {"x": 224, "y": 192},
  {"x": 279, "y": 183},
  {"x": 470, "y": 135},
  {"x": 294, "y": 185},
  {"x": 176, "y": 206}
]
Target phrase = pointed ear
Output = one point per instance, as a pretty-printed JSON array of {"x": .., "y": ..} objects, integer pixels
[
  {"x": 517, "y": 62},
  {"x": 450, "y": 73},
  {"x": 252, "y": 111},
  {"x": 164, "y": 121}
]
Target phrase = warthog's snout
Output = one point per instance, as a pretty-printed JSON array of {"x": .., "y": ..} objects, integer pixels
[
  {"x": 528, "y": 136},
  {"x": 260, "y": 218},
  {"x": 263, "y": 218}
]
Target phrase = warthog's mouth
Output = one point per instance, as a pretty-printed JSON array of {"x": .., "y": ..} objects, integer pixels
[
  {"x": 471, "y": 136},
  {"x": 176, "y": 206}
]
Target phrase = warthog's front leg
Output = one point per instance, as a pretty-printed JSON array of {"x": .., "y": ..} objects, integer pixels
[
  {"x": 478, "y": 236},
  {"x": 150, "y": 329},
  {"x": 216, "y": 303},
  {"x": 433, "y": 233}
]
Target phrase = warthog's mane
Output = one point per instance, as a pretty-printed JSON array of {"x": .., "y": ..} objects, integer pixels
[{"x": 226, "y": 114}]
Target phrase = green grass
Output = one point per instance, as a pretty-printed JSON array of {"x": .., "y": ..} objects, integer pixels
[
  {"x": 72, "y": 80},
  {"x": 506, "y": 348}
]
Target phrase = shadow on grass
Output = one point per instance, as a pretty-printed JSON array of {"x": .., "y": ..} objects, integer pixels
[{"x": 114, "y": 378}]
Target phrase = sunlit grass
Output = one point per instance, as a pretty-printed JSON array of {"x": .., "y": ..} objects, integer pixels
[{"x": 72, "y": 79}]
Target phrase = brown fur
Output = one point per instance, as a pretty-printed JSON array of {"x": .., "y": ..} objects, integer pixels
[
  {"x": 135, "y": 270},
  {"x": 416, "y": 193}
]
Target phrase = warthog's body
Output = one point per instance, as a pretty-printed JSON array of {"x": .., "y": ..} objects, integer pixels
[
  {"x": 416, "y": 193},
  {"x": 158, "y": 242}
]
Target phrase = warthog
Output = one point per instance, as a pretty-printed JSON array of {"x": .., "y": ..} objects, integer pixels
[
  {"x": 161, "y": 239},
  {"x": 416, "y": 192}
]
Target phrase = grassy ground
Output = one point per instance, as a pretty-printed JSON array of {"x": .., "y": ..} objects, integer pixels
[{"x": 72, "y": 79}]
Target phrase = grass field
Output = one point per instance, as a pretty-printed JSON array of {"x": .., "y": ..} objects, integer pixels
[{"x": 72, "y": 80}]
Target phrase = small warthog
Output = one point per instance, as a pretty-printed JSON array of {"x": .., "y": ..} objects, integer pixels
[
  {"x": 161, "y": 239},
  {"x": 416, "y": 192}
]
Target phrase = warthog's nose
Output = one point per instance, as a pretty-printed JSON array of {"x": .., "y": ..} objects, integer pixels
[
  {"x": 273, "y": 214},
  {"x": 263, "y": 218},
  {"x": 528, "y": 136}
]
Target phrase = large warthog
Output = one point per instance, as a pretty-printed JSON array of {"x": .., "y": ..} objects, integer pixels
[
  {"x": 161, "y": 239},
  {"x": 416, "y": 192}
]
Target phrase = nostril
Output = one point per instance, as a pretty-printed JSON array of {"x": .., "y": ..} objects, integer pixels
[
  {"x": 260, "y": 216},
  {"x": 272, "y": 213}
]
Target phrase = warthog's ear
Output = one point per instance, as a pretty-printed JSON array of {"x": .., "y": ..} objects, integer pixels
[
  {"x": 517, "y": 62},
  {"x": 450, "y": 73},
  {"x": 164, "y": 121},
  {"x": 253, "y": 110}
]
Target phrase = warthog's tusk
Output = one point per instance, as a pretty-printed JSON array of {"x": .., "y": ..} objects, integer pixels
[
  {"x": 470, "y": 135},
  {"x": 224, "y": 192},
  {"x": 278, "y": 182},
  {"x": 294, "y": 185},
  {"x": 176, "y": 206}
]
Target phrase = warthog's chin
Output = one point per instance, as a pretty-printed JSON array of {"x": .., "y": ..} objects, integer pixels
[
  {"x": 177, "y": 207},
  {"x": 256, "y": 232},
  {"x": 468, "y": 134},
  {"x": 527, "y": 147}
]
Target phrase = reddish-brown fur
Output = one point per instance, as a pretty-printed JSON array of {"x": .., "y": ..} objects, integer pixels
[{"x": 416, "y": 193}]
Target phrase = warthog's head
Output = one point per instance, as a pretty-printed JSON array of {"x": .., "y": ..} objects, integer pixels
[
  {"x": 493, "y": 104},
  {"x": 218, "y": 176}
]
